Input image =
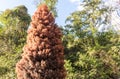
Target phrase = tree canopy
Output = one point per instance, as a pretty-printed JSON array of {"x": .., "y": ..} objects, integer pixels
[
  {"x": 14, "y": 24},
  {"x": 90, "y": 52}
]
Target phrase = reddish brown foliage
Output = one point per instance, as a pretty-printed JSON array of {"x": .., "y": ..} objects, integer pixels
[{"x": 43, "y": 56}]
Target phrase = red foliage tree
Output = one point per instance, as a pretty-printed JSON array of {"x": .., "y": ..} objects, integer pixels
[{"x": 43, "y": 56}]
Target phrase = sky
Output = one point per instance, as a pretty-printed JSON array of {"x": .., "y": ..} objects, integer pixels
[{"x": 64, "y": 7}]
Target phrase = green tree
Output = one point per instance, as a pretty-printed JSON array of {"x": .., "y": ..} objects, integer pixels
[
  {"x": 51, "y": 5},
  {"x": 89, "y": 53},
  {"x": 14, "y": 24}
]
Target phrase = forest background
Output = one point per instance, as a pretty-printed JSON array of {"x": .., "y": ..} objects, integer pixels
[{"x": 90, "y": 38}]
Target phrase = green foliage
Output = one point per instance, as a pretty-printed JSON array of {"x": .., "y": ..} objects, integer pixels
[
  {"x": 15, "y": 17},
  {"x": 14, "y": 24},
  {"x": 51, "y": 5},
  {"x": 8, "y": 61},
  {"x": 101, "y": 62},
  {"x": 91, "y": 54}
]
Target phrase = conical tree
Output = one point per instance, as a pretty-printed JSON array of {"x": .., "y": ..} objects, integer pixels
[{"x": 43, "y": 56}]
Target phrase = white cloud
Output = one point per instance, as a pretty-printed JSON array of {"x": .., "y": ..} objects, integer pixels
[
  {"x": 112, "y": 3},
  {"x": 80, "y": 7},
  {"x": 115, "y": 20},
  {"x": 74, "y": 1}
]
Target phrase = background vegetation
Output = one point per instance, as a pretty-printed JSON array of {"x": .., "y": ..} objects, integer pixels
[{"x": 89, "y": 53}]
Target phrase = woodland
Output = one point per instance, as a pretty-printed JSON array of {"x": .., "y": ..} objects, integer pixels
[{"x": 89, "y": 53}]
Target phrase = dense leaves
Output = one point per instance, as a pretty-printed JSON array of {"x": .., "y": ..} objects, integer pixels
[
  {"x": 43, "y": 56},
  {"x": 91, "y": 53},
  {"x": 51, "y": 5},
  {"x": 14, "y": 24}
]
